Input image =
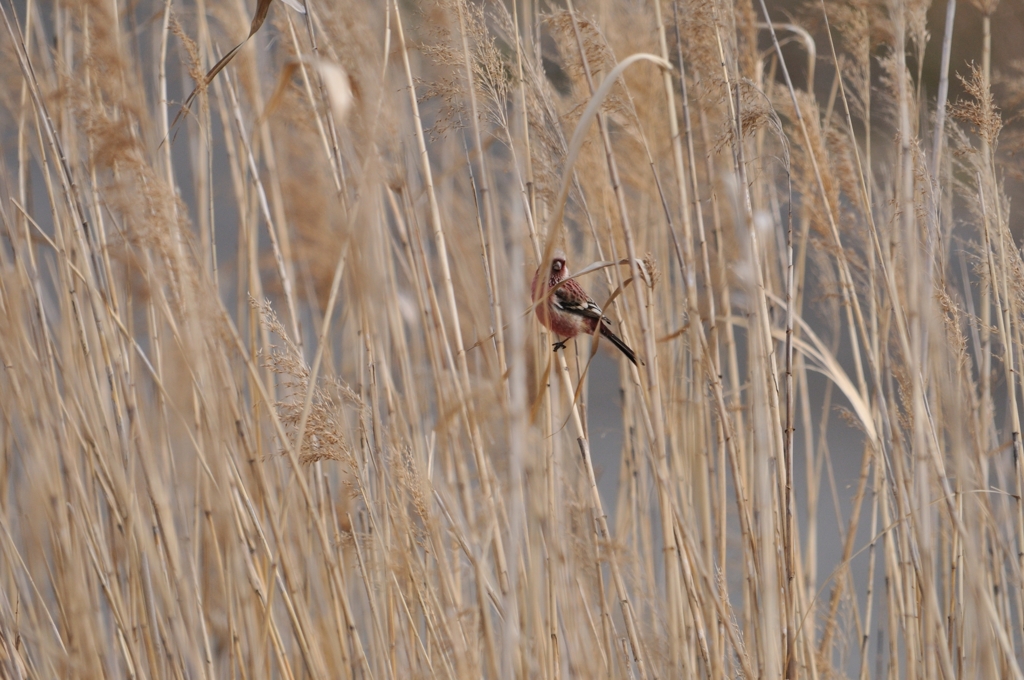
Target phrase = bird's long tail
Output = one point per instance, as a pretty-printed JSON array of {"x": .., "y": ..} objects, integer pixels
[{"x": 620, "y": 343}]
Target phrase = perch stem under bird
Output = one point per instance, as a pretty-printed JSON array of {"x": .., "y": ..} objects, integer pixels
[{"x": 566, "y": 309}]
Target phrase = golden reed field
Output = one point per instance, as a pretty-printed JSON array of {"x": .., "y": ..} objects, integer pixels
[{"x": 275, "y": 403}]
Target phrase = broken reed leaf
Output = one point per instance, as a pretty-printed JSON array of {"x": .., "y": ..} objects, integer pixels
[
  {"x": 262, "y": 7},
  {"x": 296, "y": 5}
]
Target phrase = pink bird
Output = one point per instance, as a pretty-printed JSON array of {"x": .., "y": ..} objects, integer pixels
[{"x": 568, "y": 310}]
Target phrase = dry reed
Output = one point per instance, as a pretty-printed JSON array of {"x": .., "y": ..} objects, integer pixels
[{"x": 274, "y": 403}]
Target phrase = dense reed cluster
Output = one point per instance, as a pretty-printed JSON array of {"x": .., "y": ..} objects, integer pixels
[{"x": 275, "y": 403}]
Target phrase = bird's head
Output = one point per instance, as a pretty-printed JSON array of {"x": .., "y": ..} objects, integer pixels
[
  {"x": 556, "y": 272},
  {"x": 559, "y": 271}
]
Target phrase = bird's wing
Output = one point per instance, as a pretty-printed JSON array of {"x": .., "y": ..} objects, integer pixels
[{"x": 567, "y": 302}]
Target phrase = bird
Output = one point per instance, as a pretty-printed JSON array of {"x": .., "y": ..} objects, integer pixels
[{"x": 568, "y": 310}]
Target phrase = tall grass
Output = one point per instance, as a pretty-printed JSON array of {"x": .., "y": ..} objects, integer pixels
[{"x": 275, "y": 404}]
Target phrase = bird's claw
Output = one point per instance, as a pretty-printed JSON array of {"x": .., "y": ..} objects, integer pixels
[{"x": 560, "y": 345}]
